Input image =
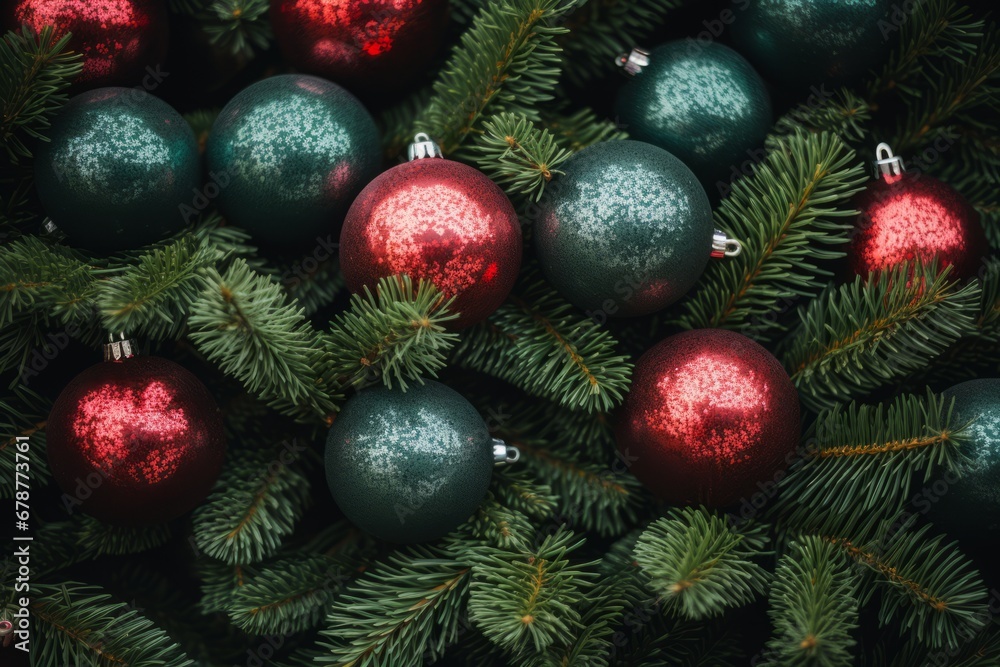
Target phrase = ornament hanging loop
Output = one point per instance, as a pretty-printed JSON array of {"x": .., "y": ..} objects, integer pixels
[
  {"x": 887, "y": 164},
  {"x": 504, "y": 454},
  {"x": 119, "y": 348},
  {"x": 423, "y": 147},
  {"x": 634, "y": 61},
  {"x": 723, "y": 246}
]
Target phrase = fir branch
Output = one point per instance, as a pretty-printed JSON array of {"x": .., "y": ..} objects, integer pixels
[
  {"x": 981, "y": 650},
  {"x": 243, "y": 322},
  {"x": 219, "y": 583},
  {"x": 699, "y": 564},
  {"x": 601, "y": 30},
  {"x": 518, "y": 491},
  {"x": 864, "y": 334},
  {"x": 501, "y": 526},
  {"x": 520, "y": 157},
  {"x": 237, "y": 25},
  {"x": 95, "y": 538},
  {"x": 254, "y": 506},
  {"x": 401, "y": 613},
  {"x": 80, "y": 624},
  {"x": 783, "y": 214},
  {"x": 814, "y": 607},
  {"x": 527, "y": 601},
  {"x": 507, "y": 61},
  {"x": 397, "y": 124},
  {"x": 313, "y": 290},
  {"x": 51, "y": 280},
  {"x": 866, "y": 458},
  {"x": 582, "y": 128},
  {"x": 929, "y": 586},
  {"x": 153, "y": 297},
  {"x": 842, "y": 113},
  {"x": 394, "y": 336},
  {"x": 35, "y": 72},
  {"x": 22, "y": 423},
  {"x": 539, "y": 342},
  {"x": 288, "y": 596}
]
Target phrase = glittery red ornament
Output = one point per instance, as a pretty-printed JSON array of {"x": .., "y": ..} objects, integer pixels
[
  {"x": 119, "y": 39},
  {"x": 361, "y": 43},
  {"x": 711, "y": 418},
  {"x": 441, "y": 221},
  {"x": 135, "y": 441},
  {"x": 909, "y": 216}
]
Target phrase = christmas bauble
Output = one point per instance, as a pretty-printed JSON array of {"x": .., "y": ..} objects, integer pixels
[
  {"x": 135, "y": 441},
  {"x": 295, "y": 151},
  {"x": 702, "y": 102},
  {"x": 971, "y": 504},
  {"x": 119, "y": 39},
  {"x": 810, "y": 42},
  {"x": 409, "y": 466},
  {"x": 908, "y": 216},
  {"x": 711, "y": 418},
  {"x": 625, "y": 231},
  {"x": 441, "y": 221},
  {"x": 371, "y": 44},
  {"x": 121, "y": 169}
]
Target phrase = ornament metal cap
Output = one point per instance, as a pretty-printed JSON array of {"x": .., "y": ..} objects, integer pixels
[
  {"x": 504, "y": 454},
  {"x": 119, "y": 348},
  {"x": 633, "y": 61},
  {"x": 423, "y": 147},
  {"x": 723, "y": 246},
  {"x": 887, "y": 164}
]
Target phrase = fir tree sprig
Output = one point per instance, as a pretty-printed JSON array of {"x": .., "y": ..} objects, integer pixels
[
  {"x": 22, "y": 414},
  {"x": 501, "y": 526},
  {"x": 841, "y": 112},
  {"x": 254, "y": 505},
  {"x": 237, "y": 25},
  {"x": 814, "y": 607},
  {"x": 699, "y": 565},
  {"x": 581, "y": 128},
  {"x": 244, "y": 323},
  {"x": 540, "y": 343},
  {"x": 527, "y": 601},
  {"x": 80, "y": 624},
  {"x": 864, "y": 334},
  {"x": 519, "y": 491},
  {"x": 393, "y": 336},
  {"x": 508, "y": 60},
  {"x": 784, "y": 214},
  {"x": 49, "y": 280},
  {"x": 35, "y": 72},
  {"x": 520, "y": 157}
]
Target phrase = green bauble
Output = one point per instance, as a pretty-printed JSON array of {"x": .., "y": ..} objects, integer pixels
[
  {"x": 409, "y": 467},
  {"x": 291, "y": 153},
  {"x": 625, "y": 231},
  {"x": 119, "y": 170},
  {"x": 803, "y": 43},
  {"x": 972, "y": 503},
  {"x": 702, "y": 102}
]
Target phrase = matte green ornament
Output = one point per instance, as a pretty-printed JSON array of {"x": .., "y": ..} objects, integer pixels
[
  {"x": 626, "y": 230},
  {"x": 805, "y": 43},
  {"x": 293, "y": 152},
  {"x": 410, "y": 466},
  {"x": 972, "y": 502},
  {"x": 118, "y": 170},
  {"x": 702, "y": 102}
]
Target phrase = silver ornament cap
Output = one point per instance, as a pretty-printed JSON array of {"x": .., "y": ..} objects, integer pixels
[
  {"x": 634, "y": 61},
  {"x": 423, "y": 147},
  {"x": 723, "y": 246},
  {"x": 887, "y": 164},
  {"x": 119, "y": 348}
]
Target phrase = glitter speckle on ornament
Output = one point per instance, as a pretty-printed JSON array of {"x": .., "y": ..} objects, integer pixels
[{"x": 710, "y": 415}]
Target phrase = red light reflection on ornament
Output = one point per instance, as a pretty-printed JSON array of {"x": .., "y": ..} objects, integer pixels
[{"x": 911, "y": 226}]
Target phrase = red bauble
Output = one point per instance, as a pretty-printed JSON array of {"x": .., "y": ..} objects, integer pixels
[
  {"x": 136, "y": 441},
  {"x": 711, "y": 417},
  {"x": 441, "y": 221},
  {"x": 910, "y": 216},
  {"x": 119, "y": 39},
  {"x": 361, "y": 43}
]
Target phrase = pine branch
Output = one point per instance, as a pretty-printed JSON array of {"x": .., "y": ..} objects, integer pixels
[
  {"x": 783, "y": 214},
  {"x": 401, "y": 613},
  {"x": 50, "y": 280},
  {"x": 981, "y": 650},
  {"x": 22, "y": 415},
  {"x": 526, "y": 602},
  {"x": 862, "y": 335},
  {"x": 814, "y": 607},
  {"x": 581, "y": 128},
  {"x": 394, "y": 336},
  {"x": 313, "y": 290},
  {"x": 254, "y": 506},
  {"x": 538, "y": 342},
  {"x": 79, "y": 624},
  {"x": 599, "y": 31},
  {"x": 500, "y": 526},
  {"x": 866, "y": 458},
  {"x": 396, "y": 124},
  {"x": 239, "y": 26},
  {"x": 153, "y": 297},
  {"x": 35, "y": 71},
  {"x": 520, "y": 157},
  {"x": 518, "y": 491},
  {"x": 507, "y": 61},
  {"x": 244, "y": 323},
  {"x": 842, "y": 113},
  {"x": 219, "y": 583},
  {"x": 698, "y": 564}
]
